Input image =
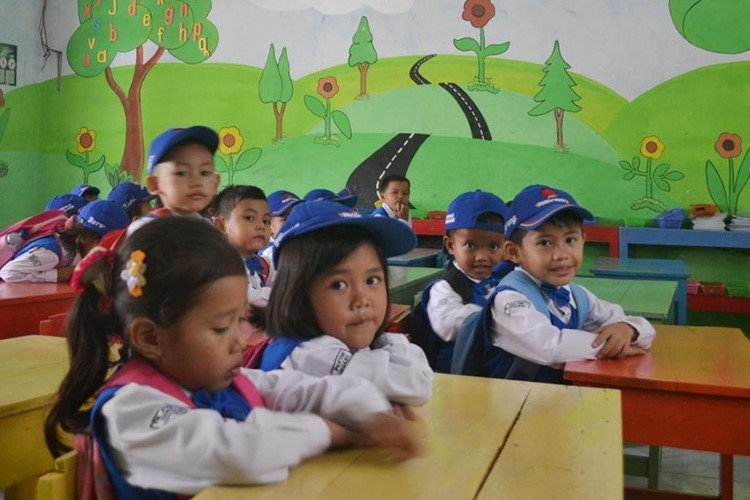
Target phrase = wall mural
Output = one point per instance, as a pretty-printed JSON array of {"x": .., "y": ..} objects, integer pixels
[{"x": 347, "y": 108}]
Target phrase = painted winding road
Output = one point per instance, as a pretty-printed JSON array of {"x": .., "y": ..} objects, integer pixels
[{"x": 395, "y": 156}]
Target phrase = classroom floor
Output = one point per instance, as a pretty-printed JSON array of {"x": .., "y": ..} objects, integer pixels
[{"x": 694, "y": 472}]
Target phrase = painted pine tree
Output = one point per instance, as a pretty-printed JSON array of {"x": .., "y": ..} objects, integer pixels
[
  {"x": 362, "y": 54},
  {"x": 276, "y": 87}
]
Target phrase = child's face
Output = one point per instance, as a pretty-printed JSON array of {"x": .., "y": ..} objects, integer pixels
[
  {"x": 549, "y": 253},
  {"x": 477, "y": 251},
  {"x": 185, "y": 181},
  {"x": 349, "y": 301},
  {"x": 86, "y": 242},
  {"x": 247, "y": 227},
  {"x": 277, "y": 222},
  {"x": 204, "y": 349},
  {"x": 396, "y": 194}
]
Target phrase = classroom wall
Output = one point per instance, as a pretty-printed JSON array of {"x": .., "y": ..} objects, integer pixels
[{"x": 634, "y": 96}]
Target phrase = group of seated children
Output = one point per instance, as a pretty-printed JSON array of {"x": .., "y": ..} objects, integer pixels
[{"x": 185, "y": 407}]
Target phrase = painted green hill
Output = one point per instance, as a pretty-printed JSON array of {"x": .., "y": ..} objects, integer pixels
[{"x": 687, "y": 114}]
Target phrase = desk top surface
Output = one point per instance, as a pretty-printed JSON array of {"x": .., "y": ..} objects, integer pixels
[
  {"x": 651, "y": 299},
  {"x": 415, "y": 254},
  {"x": 485, "y": 437},
  {"x": 14, "y": 293},
  {"x": 705, "y": 360},
  {"x": 31, "y": 369},
  {"x": 664, "y": 268}
]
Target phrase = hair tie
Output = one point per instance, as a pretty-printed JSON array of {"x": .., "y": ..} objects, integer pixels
[
  {"x": 94, "y": 270},
  {"x": 132, "y": 275}
]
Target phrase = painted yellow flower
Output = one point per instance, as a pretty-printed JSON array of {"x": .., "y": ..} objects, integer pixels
[
  {"x": 652, "y": 147},
  {"x": 230, "y": 140},
  {"x": 86, "y": 140}
]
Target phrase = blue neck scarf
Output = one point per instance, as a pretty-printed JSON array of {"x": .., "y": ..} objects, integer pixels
[
  {"x": 227, "y": 402},
  {"x": 559, "y": 295},
  {"x": 255, "y": 267}
]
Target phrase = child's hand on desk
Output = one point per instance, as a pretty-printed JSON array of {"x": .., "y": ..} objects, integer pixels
[
  {"x": 405, "y": 412},
  {"x": 382, "y": 430},
  {"x": 616, "y": 338}
]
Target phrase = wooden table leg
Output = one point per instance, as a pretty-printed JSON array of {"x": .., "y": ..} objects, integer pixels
[{"x": 726, "y": 476}]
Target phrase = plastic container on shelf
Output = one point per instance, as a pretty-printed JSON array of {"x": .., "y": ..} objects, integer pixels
[
  {"x": 713, "y": 288},
  {"x": 738, "y": 290},
  {"x": 670, "y": 220},
  {"x": 693, "y": 287},
  {"x": 436, "y": 214},
  {"x": 703, "y": 210}
]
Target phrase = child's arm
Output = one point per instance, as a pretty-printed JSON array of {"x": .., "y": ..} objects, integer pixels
[
  {"x": 520, "y": 329},
  {"x": 38, "y": 265},
  {"x": 604, "y": 315},
  {"x": 447, "y": 311},
  {"x": 157, "y": 442},
  {"x": 398, "y": 368}
]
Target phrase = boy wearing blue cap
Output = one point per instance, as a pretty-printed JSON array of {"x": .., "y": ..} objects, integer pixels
[
  {"x": 540, "y": 318},
  {"x": 87, "y": 192},
  {"x": 181, "y": 169},
  {"x": 68, "y": 203},
  {"x": 474, "y": 237},
  {"x": 280, "y": 203},
  {"x": 53, "y": 258},
  {"x": 133, "y": 198}
]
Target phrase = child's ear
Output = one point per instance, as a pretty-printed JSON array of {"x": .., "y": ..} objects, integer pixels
[
  {"x": 219, "y": 223},
  {"x": 152, "y": 184},
  {"x": 145, "y": 339},
  {"x": 448, "y": 242},
  {"x": 380, "y": 196},
  {"x": 512, "y": 251}
]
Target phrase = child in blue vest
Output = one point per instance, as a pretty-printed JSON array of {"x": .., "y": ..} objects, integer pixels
[
  {"x": 474, "y": 237},
  {"x": 539, "y": 318},
  {"x": 242, "y": 213},
  {"x": 179, "y": 414},
  {"x": 329, "y": 304},
  {"x": 394, "y": 191},
  {"x": 52, "y": 258}
]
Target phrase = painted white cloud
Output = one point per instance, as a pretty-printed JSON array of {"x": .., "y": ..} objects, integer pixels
[{"x": 336, "y": 7}]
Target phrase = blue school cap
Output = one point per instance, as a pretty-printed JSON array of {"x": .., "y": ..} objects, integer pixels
[
  {"x": 128, "y": 194},
  {"x": 393, "y": 236},
  {"x": 536, "y": 204},
  {"x": 346, "y": 196},
  {"x": 68, "y": 203},
  {"x": 103, "y": 216},
  {"x": 84, "y": 189},
  {"x": 168, "y": 139},
  {"x": 281, "y": 201},
  {"x": 465, "y": 209}
]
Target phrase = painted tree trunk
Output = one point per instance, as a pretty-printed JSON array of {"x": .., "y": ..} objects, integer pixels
[
  {"x": 363, "y": 78},
  {"x": 132, "y": 155},
  {"x": 279, "y": 115},
  {"x": 559, "y": 122}
]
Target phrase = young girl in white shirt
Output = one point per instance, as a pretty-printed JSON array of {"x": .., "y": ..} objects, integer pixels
[
  {"x": 179, "y": 413},
  {"x": 329, "y": 304}
]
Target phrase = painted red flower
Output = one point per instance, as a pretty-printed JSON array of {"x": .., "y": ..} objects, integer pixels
[
  {"x": 729, "y": 145},
  {"x": 478, "y": 12},
  {"x": 328, "y": 87}
]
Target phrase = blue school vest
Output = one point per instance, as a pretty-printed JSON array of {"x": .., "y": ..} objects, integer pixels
[
  {"x": 379, "y": 212},
  {"x": 277, "y": 351},
  {"x": 475, "y": 354},
  {"x": 49, "y": 242}
]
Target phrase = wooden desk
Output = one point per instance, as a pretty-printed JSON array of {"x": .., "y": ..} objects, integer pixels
[
  {"x": 24, "y": 305},
  {"x": 405, "y": 282},
  {"x": 31, "y": 369},
  {"x": 485, "y": 438},
  {"x": 691, "y": 391},
  {"x": 649, "y": 269},
  {"x": 654, "y": 300},
  {"x": 419, "y": 257}
]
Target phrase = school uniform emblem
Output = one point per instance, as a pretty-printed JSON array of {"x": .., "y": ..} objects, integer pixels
[{"x": 164, "y": 414}]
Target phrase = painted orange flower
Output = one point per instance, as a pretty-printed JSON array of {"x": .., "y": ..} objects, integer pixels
[
  {"x": 86, "y": 140},
  {"x": 652, "y": 147},
  {"x": 2, "y": 99},
  {"x": 729, "y": 145},
  {"x": 230, "y": 140},
  {"x": 478, "y": 12},
  {"x": 328, "y": 87}
]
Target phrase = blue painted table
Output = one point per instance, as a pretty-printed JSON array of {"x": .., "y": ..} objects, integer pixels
[{"x": 649, "y": 269}]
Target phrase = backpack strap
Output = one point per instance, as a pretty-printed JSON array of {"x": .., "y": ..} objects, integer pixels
[{"x": 459, "y": 282}]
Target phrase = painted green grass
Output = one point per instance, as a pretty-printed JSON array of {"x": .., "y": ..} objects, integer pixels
[{"x": 688, "y": 113}]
